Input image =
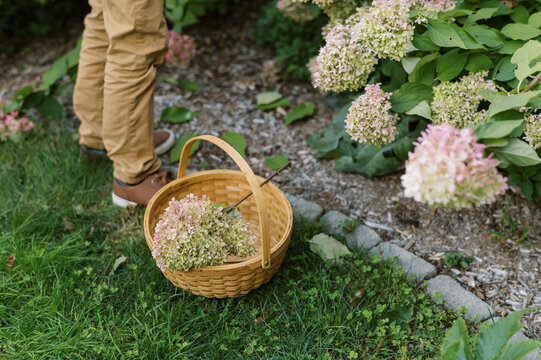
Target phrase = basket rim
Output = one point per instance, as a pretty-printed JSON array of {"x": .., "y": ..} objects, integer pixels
[{"x": 284, "y": 240}]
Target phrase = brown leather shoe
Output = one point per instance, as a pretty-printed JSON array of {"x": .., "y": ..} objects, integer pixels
[
  {"x": 164, "y": 139},
  {"x": 139, "y": 194}
]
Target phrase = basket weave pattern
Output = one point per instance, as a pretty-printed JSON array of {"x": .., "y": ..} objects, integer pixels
[{"x": 228, "y": 187}]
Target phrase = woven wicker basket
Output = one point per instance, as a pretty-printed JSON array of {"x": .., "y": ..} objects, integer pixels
[{"x": 268, "y": 209}]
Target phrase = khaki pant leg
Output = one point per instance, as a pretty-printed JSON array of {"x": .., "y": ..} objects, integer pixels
[
  {"x": 138, "y": 42},
  {"x": 88, "y": 92}
]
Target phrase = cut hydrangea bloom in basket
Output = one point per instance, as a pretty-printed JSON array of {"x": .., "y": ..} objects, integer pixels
[
  {"x": 181, "y": 50},
  {"x": 193, "y": 232},
  {"x": 369, "y": 120},
  {"x": 448, "y": 168}
]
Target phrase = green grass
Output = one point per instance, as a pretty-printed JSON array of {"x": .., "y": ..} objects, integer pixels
[{"x": 62, "y": 299}]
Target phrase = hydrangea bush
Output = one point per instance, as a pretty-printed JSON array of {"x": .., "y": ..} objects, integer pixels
[
  {"x": 181, "y": 50},
  {"x": 467, "y": 66},
  {"x": 194, "y": 232}
]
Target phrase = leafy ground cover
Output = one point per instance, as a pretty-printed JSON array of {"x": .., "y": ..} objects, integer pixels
[{"x": 77, "y": 281}]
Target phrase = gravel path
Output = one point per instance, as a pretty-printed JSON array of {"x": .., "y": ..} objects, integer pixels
[{"x": 229, "y": 69}]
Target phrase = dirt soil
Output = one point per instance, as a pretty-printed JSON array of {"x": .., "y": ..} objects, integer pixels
[{"x": 229, "y": 68}]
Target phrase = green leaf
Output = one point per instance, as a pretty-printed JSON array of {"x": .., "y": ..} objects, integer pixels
[
  {"x": 495, "y": 142},
  {"x": 444, "y": 34},
  {"x": 49, "y": 106},
  {"x": 451, "y": 64},
  {"x": 484, "y": 35},
  {"x": 510, "y": 46},
  {"x": 452, "y": 14},
  {"x": 409, "y": 95},
  {"x": 236, "y": 140},
  {"x": 33, "y": 99},
  {"x": 189, "y": 85},
  {"x": 425, "y": 70},
  {"x": 458, "y": 334},
  {"x": 189, "y": 18},
  {"x": 502, "y": 8},
  {"x": 518, "y": 153},
  {"x": 527, "y": 188},
  {"x": 538, "y": 187},
  {"x": 478, "y": 62},
  {"x": 422, "y": 109},
  {"x": 57, "y": 71},
  {"x": 178, "y": 115},
  {"x": 423, "y": 42},
  {"x": 535, "y": 19},
  {"x": 482, "y": 14},
  {"x": 328, "y": 248},
  {"x": 23, "y": 92},
  {"x": 505, "y": 69},
  {"x": 503, "y": 103},
  {"x": 327, "y": 142},
  {"x": 268, "y": 97},
  {"x": 62, "y": 89},
  {"x": 409, "y": 63},
  {"x": 527, "y": 59},
  {"x": 497, "y": 129},
  {"x": 520, "y": 31},
  {"x": 176, "y": 150},
  {"x": 299, "y": 112},
  {"x": 283, "y": 102},
  {"x": 520, "y": 14},
  {"x": 518, "y": 350},
  {"x": 492, "y": 338},
  {"x": 276, "y": 162}
]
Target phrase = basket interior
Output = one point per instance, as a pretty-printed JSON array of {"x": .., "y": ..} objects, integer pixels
[{"x": 228, "y": 187}]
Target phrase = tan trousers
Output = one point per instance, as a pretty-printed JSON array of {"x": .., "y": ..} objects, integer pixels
[{"x": 123, "y": 41}]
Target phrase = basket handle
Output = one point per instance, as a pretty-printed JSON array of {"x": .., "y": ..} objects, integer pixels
[{"x": 250, "y": 177}]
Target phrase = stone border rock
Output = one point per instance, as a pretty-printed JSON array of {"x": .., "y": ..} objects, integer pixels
[{"x": 364, "y": 239}]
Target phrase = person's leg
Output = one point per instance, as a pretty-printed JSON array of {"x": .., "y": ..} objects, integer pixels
[
  {"x": 138, "y": 42},
  {"x": 88, "y": 92}
]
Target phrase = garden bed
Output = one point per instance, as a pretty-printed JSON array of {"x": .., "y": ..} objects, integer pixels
[{"x": 229, "y": 70}]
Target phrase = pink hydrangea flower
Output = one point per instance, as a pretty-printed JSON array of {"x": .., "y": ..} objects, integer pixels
[
  {"x": 343, "y": 63},
  {"x": 369, "y": 120},
  {"x": 11, "y": 125},
  {"x": 182, "y": 49},
  {"x": 448, "y": 168},
  {"x": 193, "y": 232}
]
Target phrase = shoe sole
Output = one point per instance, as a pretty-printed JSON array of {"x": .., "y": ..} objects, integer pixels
[
  {"x": 167, "y": 145},
  {"x": 117, "y": 200}
]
